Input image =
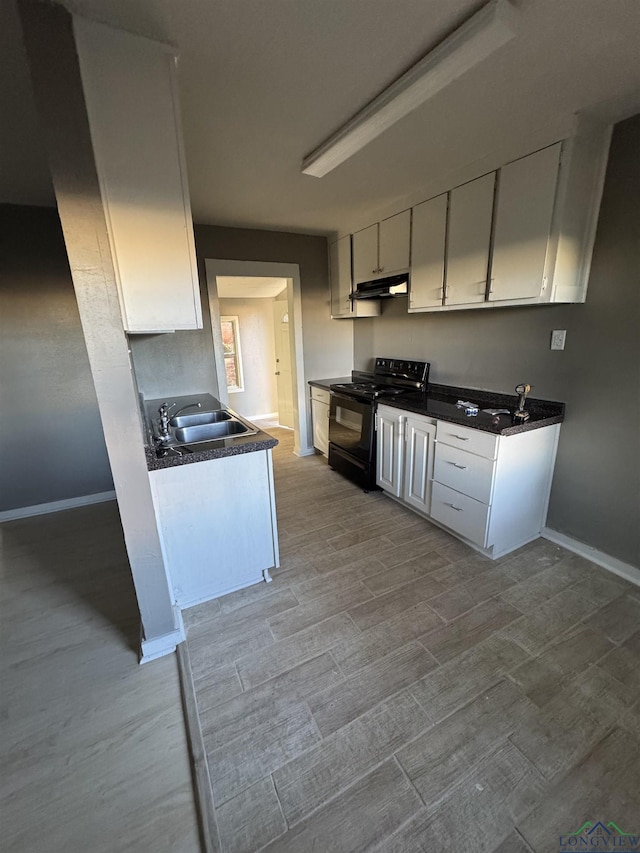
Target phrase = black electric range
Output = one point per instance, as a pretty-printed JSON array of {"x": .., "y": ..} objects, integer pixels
[{"x": 352, "y": 435}]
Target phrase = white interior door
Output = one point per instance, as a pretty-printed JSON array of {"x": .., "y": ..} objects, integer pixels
[{"x": 281, "y": 327}]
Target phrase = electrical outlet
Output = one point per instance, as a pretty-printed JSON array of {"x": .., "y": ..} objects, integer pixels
[{"x": 558, "y": 337}]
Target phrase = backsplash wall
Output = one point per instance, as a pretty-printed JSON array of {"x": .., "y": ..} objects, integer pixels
[{"x": 596, "y": 488}]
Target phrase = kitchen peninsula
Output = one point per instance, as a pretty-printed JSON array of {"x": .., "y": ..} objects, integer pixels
[{"x": 215, "y": 505}]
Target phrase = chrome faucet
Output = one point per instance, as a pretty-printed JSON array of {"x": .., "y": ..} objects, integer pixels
[
  {"x": 163, "y": 421},
  {"x": 188, "y": 406}
]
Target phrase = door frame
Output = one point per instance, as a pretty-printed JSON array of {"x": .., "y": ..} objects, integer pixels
[{"x": 215, "y": 267}]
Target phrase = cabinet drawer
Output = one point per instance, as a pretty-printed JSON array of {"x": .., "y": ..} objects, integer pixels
[
  {"x": 460, "y": 513},
  {"x": 472, "y": 440},
  {"x": 465, "y": 472},
  {"x": 320, "y": 394}
]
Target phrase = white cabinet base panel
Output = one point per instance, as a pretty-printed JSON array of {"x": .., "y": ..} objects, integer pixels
[{"x": 217, "y": 524}]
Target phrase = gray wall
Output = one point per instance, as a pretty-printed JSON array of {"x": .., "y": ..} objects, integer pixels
[
  {"x": 596, "y": 488},
  {"x": 176, "y": 363},
  {"x": 52, "y": 445},
  {"x": 328, "y": 344},
  {"x": 182, "y": 363},
  {"x": 258, "y": 353}
]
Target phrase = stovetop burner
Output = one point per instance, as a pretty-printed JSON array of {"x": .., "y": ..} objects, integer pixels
[
  {"x": 390, "y": 378},
  {"x": 369, "y": 389}
]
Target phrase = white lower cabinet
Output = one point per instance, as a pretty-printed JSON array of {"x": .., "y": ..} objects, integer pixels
[
  {"x": 217, "y": 522},
  {"x": 460, "y": 513},
  {"x": 320, "y": 400},
  {"x": 490, "y": 490},
  {"x": 405, "y": 456},
  {"x": 419, "y": 437},
  {"x": 389, "y": 450}
]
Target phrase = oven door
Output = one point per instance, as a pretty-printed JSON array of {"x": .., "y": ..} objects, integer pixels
[{"x": 351, "y": 425}]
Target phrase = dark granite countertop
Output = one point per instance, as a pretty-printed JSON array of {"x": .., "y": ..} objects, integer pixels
[
  {"x": 326, "y": 383},
  {"x": 440, "y": 402},
  {"x": 202, "y": 451}
]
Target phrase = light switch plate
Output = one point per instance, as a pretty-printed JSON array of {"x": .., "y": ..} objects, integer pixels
[{"x": 558, "y": 337}]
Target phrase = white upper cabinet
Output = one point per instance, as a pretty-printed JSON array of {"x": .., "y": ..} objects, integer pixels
[
  {"x": 525, "y": 202},
  {"x": 365, "y": 254},
  {"x": 546, "y": 218},
  {"x": 340, "y": 277},
  {"x": 342, "y": 306},
  {"x": 470, "y": 214},
  {"x": 382, "y": 249},
  {"x": 395, "y": 244},
  {"x": 132, "y": 105},
  {"x": 428, "y": 234},
  {"x": 539, "y": 230}
]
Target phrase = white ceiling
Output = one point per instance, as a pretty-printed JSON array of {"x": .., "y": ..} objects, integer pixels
[
  {"x": 263, "y": 82},
  {"x": 249, "y": 287}
]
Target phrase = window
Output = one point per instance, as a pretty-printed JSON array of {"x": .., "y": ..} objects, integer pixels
[{"x": 232, "y": 357}]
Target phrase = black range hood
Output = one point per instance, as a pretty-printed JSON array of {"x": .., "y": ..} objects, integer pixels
[{"x": 382, "y": 288}]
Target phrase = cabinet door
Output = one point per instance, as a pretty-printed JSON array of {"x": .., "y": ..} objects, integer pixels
[
  {"x": 365, "y": 254},
  {"x": 320, "y": 417},
  {"x": 526, "y": 194},
  {"x": 390, "y": 447},
  {"x": 131, "y": 98},
  {"x": 470, "y": 213},
  {"x": 428, "y": 233},
  {"x": 418, "y": 467},
  {"x": 395, "y": 243},
  {"x": 340, "y": 273}
]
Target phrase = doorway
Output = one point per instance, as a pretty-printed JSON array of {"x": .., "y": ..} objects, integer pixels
[
  {"x": 282, "y": 343},
  {"x": 259, "y": 307}
]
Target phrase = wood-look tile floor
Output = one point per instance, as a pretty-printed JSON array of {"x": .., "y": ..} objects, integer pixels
[
  {"x": 93, "y": 750},
  {"x": 391, "y": 690}
]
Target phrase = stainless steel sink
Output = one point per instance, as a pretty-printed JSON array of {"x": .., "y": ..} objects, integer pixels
[
  {"x": 197, "y": 418},
  {"x": 212, "y": 431}
]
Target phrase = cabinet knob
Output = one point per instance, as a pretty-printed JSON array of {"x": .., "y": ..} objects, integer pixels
[
  {"x": 373, "y": 272},
  {"x": 381, "y": 269},
  {"x": 277, "y": 373}
]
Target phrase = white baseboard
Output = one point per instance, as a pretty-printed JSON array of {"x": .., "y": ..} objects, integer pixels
[
  {"x": 612, "y": 564},
  {"x": 56, "y": 506},
  {"x": 309, "y": 451},
  {"x": 158, "y": 647},
  {"x": 271, "y": 416}
]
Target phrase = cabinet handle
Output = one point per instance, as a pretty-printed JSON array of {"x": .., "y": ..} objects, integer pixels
[
  {"x": 455, "y": 465},
  {"x": 459, "y": 437},
  {"x": 453, "y": 506}
]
